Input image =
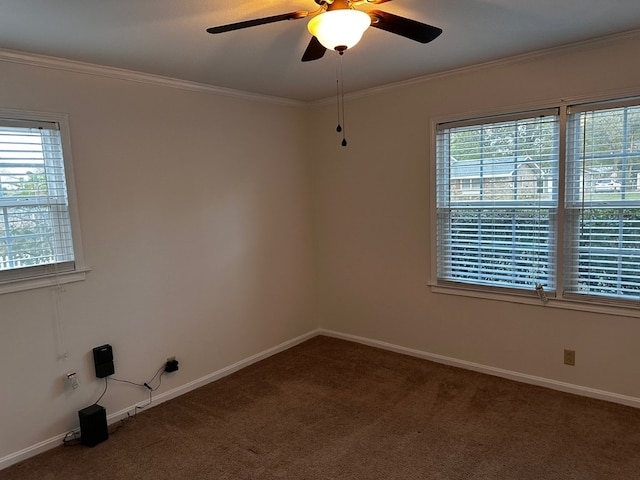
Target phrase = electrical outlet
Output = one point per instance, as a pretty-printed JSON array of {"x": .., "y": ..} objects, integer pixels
[
  {"x": 569, "y": 357},
  {"x": 71, "y": 379},
  {"x": 171, "y": 359}
]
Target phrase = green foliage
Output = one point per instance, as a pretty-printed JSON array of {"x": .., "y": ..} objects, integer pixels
[
  {"x": 535, "y": 138},
  {"x": 25, "y": 231},
  {"x": 32, "y": 183},
  {"x": 500, "y": 246}
]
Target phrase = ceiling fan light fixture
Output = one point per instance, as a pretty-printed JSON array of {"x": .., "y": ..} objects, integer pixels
[{"x": 339, "y": 29}]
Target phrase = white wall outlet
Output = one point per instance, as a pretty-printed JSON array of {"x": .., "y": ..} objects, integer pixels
[{"x": 72, "y": 380}]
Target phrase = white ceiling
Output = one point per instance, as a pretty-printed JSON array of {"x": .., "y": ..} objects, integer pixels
[{"x": 168, "y": 38}]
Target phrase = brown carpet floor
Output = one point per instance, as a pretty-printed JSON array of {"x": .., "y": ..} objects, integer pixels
[{"x": 330, "y": 409}]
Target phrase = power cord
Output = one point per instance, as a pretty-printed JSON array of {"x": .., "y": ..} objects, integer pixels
[
  {"x": 106, "y": 385},
  {"x": 127, "y": 381},
  {"x": 148, "y": 385},
  {"x": 71, "y": 439},
  {"x": 161, "y": 371}
]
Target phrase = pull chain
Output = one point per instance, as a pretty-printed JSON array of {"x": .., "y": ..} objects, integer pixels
[
  {"x": 340, "y": 101},
  {"x": 339, "y": 127}
]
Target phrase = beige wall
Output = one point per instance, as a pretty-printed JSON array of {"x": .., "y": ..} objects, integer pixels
[
  {"x": 194, "y": 215},
  {"x": 372, "y": 225}
]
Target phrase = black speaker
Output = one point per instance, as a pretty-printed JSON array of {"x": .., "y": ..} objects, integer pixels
[
  {"x": 93, "y": 425},
  {"x": 103, "y": 360}
]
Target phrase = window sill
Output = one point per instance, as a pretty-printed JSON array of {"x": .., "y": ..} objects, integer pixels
[
  {"x": 44, "y": 281},
  {"x": 555, "y": 303}
]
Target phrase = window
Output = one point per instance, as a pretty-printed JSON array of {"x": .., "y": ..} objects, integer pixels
[
  {"x": 498, "y": 234},
  {"x": 39, "y": 238},
  {"x": 502, "y": 223},
  {"x": 603, "y": 202}
]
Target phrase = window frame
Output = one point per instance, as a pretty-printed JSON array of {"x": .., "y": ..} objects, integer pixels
[
  {"x": 47, "y": 275},
  {"x": 557, "y": 299},
  {"x": 493, "y": 203}
]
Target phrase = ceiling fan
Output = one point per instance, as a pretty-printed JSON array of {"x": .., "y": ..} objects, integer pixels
[{"x": 338, "y": 25}]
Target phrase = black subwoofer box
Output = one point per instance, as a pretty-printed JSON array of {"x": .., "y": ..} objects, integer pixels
[{"x": 93, "y": 425}]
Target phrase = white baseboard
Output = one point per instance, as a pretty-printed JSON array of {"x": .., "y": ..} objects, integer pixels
[
  {"x": 498, "y": 372},
  {"x": 55, "y": 441}
]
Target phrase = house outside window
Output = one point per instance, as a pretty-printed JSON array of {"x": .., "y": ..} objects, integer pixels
[
  {"x": 39, "y": 231},
  {"x": 544, "y": 204}
]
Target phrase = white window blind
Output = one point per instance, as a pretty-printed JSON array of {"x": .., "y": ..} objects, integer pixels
[
  {"x": 35, "y": 228},
  {"x": 496, "y": 201},
  {"x": 602, "y": 257}
]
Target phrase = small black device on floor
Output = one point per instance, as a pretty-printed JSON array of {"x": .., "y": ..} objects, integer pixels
[
  {"x": 103, "y": 360},
  {"x": 93, "y": 425}
]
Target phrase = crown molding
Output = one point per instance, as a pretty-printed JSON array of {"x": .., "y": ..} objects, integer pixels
[
  {"x": 567, "y": 48},
  {"x": 56, "y": 63},
  {"x": 38, "y": 60}
]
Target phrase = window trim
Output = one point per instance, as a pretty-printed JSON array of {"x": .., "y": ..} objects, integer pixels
[
  {"x": 52, "y": 275},
  {"x": 560, "y": 300}
]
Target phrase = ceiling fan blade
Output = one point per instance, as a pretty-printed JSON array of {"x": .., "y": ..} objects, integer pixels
[
  {"x": 258, "y": 21},
  {"x": 412, "y": 29},
  {"x": 354, "y": 3},
  {"x": 315, "y": 50}
]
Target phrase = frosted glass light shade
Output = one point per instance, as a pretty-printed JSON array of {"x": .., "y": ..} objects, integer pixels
[{"x": 339, "y": 29}]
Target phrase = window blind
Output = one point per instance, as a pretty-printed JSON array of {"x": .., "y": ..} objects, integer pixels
[
  {"x": 496, "y": 201},
  {"x": 602, "y": 256},
  {"x": 35, "y": 229}
]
